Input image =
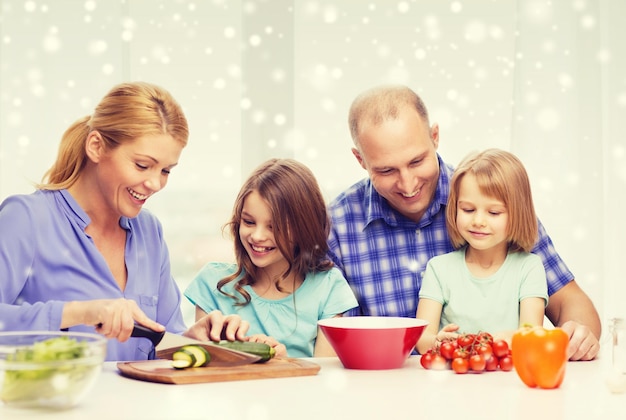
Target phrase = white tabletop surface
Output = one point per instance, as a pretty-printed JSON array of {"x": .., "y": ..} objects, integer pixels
[{"x": 337, "y": 393}]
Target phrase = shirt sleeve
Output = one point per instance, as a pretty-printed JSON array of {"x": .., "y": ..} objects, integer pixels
[
  {"x": 340, "y": 295},
  {"x": 17, "y": 252},
  {"x": 557, "y": 273},
  {"x": 431, "y": 286},
  {"x": 533, "y": 282},
  {"x": 202, "y": 289}
]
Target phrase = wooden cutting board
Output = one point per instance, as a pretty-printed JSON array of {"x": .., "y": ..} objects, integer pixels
[{"x": 162, "y": 371}]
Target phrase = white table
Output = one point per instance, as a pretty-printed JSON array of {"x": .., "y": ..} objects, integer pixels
[{"x": 338, "y": 393}]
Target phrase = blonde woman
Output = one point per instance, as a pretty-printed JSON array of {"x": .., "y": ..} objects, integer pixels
[{"x": 81, "y": 253}]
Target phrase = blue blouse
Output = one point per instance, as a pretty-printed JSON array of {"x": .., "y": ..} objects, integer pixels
[{"x": 47, "y": 259}]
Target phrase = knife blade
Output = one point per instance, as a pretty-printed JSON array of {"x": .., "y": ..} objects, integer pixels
[{"x": 167, "y": 343}]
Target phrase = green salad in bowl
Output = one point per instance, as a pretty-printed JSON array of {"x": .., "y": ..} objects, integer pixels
[{"x": 48, "y": 369}]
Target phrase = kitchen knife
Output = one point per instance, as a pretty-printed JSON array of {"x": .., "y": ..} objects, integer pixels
[{"x": 166, "y": 344}]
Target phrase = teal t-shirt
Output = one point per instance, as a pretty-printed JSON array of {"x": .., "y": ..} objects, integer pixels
[
  {"x": 483, "y": 304},
  {"x": 291, "y": 320}
]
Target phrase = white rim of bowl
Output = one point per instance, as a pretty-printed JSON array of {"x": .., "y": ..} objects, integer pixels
[{"x": 372, "y": 322}]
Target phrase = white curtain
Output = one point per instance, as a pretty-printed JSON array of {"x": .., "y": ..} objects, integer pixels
[{"x": 543, "y": 79}]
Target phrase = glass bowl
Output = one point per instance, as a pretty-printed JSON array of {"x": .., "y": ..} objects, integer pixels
[{"x": 48, "y": 369}]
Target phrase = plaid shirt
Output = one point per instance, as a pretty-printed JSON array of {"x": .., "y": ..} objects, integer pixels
[{"x": 384, "y": 254}]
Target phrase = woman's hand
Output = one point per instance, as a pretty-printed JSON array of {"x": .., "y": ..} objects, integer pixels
[
  {"x": 281, "y": 350},
  {"x": 216, "y": 326},
  {"x": 113, "y": 318}
]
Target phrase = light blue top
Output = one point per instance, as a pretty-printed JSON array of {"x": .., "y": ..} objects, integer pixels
[
  {"x": 291, "y": 320},
  {"x": 483, "y": 304},
  {"x": 47, "y": 259}
]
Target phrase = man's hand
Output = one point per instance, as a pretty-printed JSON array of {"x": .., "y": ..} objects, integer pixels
[
  {"x": 572, "y": 310},
  {"x": 583, "y": 344}
]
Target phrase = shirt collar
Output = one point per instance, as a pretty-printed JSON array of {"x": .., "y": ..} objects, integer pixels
[{"x": 70, "y": 204}]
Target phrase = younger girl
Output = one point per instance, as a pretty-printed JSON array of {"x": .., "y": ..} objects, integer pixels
[
  {"x": 282, "y": 283},
  {"x": 491, "y": 282}
]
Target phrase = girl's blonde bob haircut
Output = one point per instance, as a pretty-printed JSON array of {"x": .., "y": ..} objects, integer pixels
[{"x": 500, "y": 175}]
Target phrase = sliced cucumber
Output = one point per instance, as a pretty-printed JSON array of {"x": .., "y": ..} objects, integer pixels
[
  {"x": 190, "y": 356},
  {"x": 202, "y": 355},
  {"x": 180, "y": 364},
  {"x": 183, "y": 358}
]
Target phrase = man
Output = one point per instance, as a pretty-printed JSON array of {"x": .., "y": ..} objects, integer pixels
[{"x": 386, "y": 227}]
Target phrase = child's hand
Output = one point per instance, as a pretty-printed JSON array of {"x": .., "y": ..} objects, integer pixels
[
  {"x": 216, "y": 326},
  {"x": 448, "y": 332},
  {"x": 281, "y": 350}
]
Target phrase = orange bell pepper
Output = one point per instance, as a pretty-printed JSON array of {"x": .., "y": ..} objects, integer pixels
[{"x": 540, "y": 356}]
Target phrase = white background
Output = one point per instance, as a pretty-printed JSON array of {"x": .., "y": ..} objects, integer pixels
[{"x": 263, "y": 78}]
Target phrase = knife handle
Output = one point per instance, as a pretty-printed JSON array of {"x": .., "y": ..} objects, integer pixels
[{"x": 154, "y": 336}]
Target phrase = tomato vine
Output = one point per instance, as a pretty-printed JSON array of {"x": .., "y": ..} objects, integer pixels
[{"x": 469, "y": 353}]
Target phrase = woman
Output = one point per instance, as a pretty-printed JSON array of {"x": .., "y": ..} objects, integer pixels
[{"x": 80, "y": 252}]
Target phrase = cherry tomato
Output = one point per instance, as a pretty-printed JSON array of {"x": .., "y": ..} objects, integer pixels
[
  {"x": 460, "y": 365},
  {"x": 500, "y": 348},
  {"x": 460, "y": 352},
  {"x": 426, "y": 360},
  {"x": 477, "y": 363},
  {"x": 492, "y": 364},
  {"x": 506, "y": 363},
  {"x": 484, "y": 337},
  {"x": 483, "y": 349},
  {"x": 447, "y": 349},
  {"x": 439, "y": 362},
  {"x": 465, "y": 340}
]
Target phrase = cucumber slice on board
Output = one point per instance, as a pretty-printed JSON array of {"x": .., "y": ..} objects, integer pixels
[
  {"x": 182, "y": 359},
  {"x": 202, "y": 355},
  {"x": 190, "y": 356}
]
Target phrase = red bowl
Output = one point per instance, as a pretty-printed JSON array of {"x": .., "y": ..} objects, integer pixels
[{"x": 372, "y": 342}]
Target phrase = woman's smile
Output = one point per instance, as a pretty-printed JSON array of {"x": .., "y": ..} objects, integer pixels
[{"x": 139, "y": 197}]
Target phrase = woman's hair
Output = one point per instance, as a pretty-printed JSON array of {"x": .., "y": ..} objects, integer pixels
[
  {"x": 500, "y": 175},
  {"x": 129, "y": 111},
  {"x": 299, "y": 220}
]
